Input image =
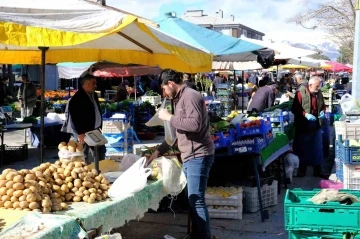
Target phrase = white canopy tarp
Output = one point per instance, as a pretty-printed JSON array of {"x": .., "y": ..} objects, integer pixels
[
  {"x": 236, "y": 66},
  {"x": 305, "y": 61}
]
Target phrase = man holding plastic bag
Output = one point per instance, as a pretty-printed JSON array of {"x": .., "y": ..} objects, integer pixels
[{"x": 197, "y": 149}]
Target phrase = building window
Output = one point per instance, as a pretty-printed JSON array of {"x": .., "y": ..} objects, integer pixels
[
  {"x": 245, "y": 33},
  {"x": 235, "y": 32}
]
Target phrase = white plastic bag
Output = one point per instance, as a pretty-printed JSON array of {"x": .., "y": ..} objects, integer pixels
[
  {"x": 174, "y": 179},
  {"x": 348, "y": 103},
  {"x": 67, "y": 156},
  {"x": 131, "y": 181},
  {"x": 291, "y": 163},
  {"x": 170, "y": 132},
  {"x": 128, "y": 161}
]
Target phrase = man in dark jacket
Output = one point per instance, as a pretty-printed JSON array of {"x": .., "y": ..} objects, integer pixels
[
  {"x": 191, "y": 122},
  {"x": 189, "y": 82},
  {"x": 27, "y": 96},
  {"x": 85, "y": 116},
  {"x": 263, "y": 98}
]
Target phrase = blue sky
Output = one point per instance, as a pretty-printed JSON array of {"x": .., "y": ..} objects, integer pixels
[{"x": 268, "y": 16}]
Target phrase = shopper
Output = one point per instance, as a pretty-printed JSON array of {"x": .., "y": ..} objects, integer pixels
[
  {"x": 83, "y": 115},
  {"x": 27, "y": 96},
  {"x": 263, "y": 98},
  {"x": 191, "y": 122},
  {"x": 121, "y": 93},
  {"x": 5, "y": 94},
  {"x": 189, "y": 82},
  {"x": 308, "y": 109},
  {"x": 300, "y": 82}
]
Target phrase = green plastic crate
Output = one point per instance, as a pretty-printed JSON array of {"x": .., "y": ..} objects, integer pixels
[
  {"x": 314, "y": 235},
  {"x": 332, "y": 217}
]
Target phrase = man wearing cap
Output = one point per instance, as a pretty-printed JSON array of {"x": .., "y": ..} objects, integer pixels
[{"x": 263, "y": 98}]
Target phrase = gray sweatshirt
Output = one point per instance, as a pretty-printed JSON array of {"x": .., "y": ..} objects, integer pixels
[{"x": 191, "y": 122}]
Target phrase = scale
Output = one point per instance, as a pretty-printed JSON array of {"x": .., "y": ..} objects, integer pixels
[{"x": 94, "y": 139}]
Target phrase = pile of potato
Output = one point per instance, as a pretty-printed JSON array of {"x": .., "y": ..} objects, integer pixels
[
  {"x": 70, "y": 151},
  {"x": 48, "y": 187}
]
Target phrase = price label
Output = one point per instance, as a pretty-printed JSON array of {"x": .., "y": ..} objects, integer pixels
[{"x": 241, "y": 149}]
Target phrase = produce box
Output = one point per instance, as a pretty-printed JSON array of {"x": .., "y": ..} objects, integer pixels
[
  {"x": 314, "y": 235},
  {"x": 268, "y": 194},
  {"x": 339, "y": 165},
  {"x": 351, "y": 176},
  {"x": 224, "y": 196},
  {"x": 348, "y": 154},
  {"x": 331, "y": 217},
  {"x": 277, "y": 116},
  {"x": 225, "y": 212},
  {"x": 347, "y": 130},
  {"x": 246, "y": 146},
  {"x": 154, "y": 100},
  {"x": 255, "y": 127}
]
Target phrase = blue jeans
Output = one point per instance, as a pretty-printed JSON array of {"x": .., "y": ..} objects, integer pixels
[{"x": 197, "y": 171}]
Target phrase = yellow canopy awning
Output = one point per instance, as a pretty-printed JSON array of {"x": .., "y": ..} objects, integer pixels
[
  {"x": 292, "y": 66},
  {"x": 88, "y": 32}
]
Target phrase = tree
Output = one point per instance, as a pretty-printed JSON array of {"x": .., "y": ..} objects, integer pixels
[
  {"x": 319, "y": 55},
  {"x": 335, "y": 17},
  {"x": 346, "y": 55}
]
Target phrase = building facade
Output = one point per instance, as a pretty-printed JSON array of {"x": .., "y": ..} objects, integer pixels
[{"x": 219, "y": 23}]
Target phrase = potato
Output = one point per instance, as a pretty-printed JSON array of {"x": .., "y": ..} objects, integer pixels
[
  {"x": 71, "y": 165},
  {"x": 64, "y": 206},
  {"x": 5, "y": 198},
  {"x": 67, "y": 172},
  {"x": 18, "y": 179},
  {"x": 46, "y": 203},
  {"x": 103, "y": 186},
  {"x": 58, "y": 162},
  {"x": 42, "y": 179},
  {"x": 18, "y": 193},
  {"x": 69, "y": 196},
  {"x": 24, "y": 204},
  {"x": 62, "y": 144},
  {"x": 56, "y": 201},
  {"x": 82, "y": 189},
  {"x": 79, "y": 194},
  {"x": 38, "y": 197},
  {"x": 87, "y": 184},
  {"x": 91, "y": 200},
  {"x": 52, "y": 168},
  {"x": 77, "y": 183},
  {"x": 76, "y": 199},
  {"x": 78, "y": 164},
  {"x": 86, "y": 192},
  {"x": 16, "y": 204},
  {"x": 56, "y": 187},
  {"x": 77, "y": 170},
  {"x": 104, "y": 195},
  {"x": 104, "y": 181},
  {"x": 93, "y": 195},
  {"x": 62, "y": 198},
  {"x": 39, "y": 174},
  {"x": 85, "y": 198},
  {"x": 3, "y": 183},
  {"x": 74, "y": 174},
  {"x": 3, "y": 191},
  {"x": 10, "y": 175},
  {"x": 43, "y": 184},
  {"x": 94, "y": 172},
  {"x": 22, "y": 198},
  {"x": 72, "y": 149},
  {"x": 33, "y": 205},
  {"x": 18, "y": 186},
  {"x": 9, "y": 184},
  {"x": 54, "y": 195},
  {"x": 64, "y": 188},
  {"x": 46, "y": 190},
  {"x": 58, "y": 181},
  {"x": 98, "y": 197},
  {"x": 31, "y": 197},
  {"x": 96, "y": 185},
  {"x": 14, "y": 199},
  {"x": 88, "y": 179},
  {"x": 2, "y": 177},
  {"x": 92, "y": 190},
  {"x": 27, "y": 191},
  {"x": 60, "y": 170},
  {"x": 74, "y": 189},
  {"x": 46, "y": 209},
  {"x": 8, "y": 205},
  {"x": 30, "y": 177},
  {"x": 60, "y": 192},
  {"x": 6, "y": 171},
  {"x": 81, "y": 176},
  {"x": 10, "y": 192},
  {"x": 99, "y": 191},
  {"x": 47, "y": 172},
  {"x": 79, "y": 148},
  {"x": 70, "y": 185}
]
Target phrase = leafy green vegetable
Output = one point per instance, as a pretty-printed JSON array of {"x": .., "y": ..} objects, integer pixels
[
  {"x": 30, "y": 120},
  {"x": 151, "y": 93}
]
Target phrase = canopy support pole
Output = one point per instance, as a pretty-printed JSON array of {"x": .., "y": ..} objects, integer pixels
[
  {"x": 242, "y": 92},
  {"x": 235, "y": 90},
  {"x": 135, "y": 86},
  {"x": 42, "y": 108}
]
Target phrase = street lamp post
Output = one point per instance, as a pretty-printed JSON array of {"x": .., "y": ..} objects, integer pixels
[{"x": 355, "y": 91}]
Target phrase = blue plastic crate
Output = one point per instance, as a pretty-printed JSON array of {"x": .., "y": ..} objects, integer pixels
[
  {"x": 263, "y": 129},
  {"x": 278, "y": 119},
  {"x": 348, "y": 154},
  {"x": 339, "y": 166},
  {"x": 279, "y": 130},
  {"x": 223, "y": 139},
  {"x": 237, "y": 148},
  {"x": 118, "y": 140},
  {"x": 118, "y": 151},
  {"x": 331, "y": 217}
]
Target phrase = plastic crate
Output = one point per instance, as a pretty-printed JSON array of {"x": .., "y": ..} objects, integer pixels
[
  {"x": 268, "y": 194},
  {"x": 221, "y": 139},
  {"x": 154, "y": 100},
  {"x": 339, "y": 169},
  {"x": 118, "y": 140},
  {"x": 118, "y": 151},
  {"x": 14, "y": 153},
  {"x": 278, "y": 119},
  {"x": 239, "y": 148},
  {"x": 313, "y": 235},
  {"x": 279, "y": 129},
  {"x": 234, "y": 200},
  {"x": 226, "y": 214},
  {"x": 347, "y": 130},
  {"x": 333, "y": 217},
  {"x": 262, "y": 129},
  {"x": 348, "y": 154},
  {"x": 351, "y": 177}
]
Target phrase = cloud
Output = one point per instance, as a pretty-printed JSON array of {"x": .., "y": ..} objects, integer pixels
[{"x": 268, "y": 16}]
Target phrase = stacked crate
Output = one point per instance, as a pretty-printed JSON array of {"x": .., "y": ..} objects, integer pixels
[
  {"x": 268, "y": 196},
  {"x": 225, "y": 206}
]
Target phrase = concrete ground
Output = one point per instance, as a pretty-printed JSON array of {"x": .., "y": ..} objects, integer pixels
[{"x": 157, "y": 225}]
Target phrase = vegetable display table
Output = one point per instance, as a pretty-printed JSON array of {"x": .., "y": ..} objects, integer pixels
[{"x": 108, "y": 214}]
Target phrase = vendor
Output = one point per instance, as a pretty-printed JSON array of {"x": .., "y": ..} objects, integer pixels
[
  {"x": 5, "y": 94},
  {"x": 263, "y": 98},
  {"x": 122, "y": 93},
  {"x": 308, "y": 109}
]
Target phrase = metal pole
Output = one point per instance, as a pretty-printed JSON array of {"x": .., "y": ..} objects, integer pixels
[
  {"x": 355, "y": 91},
  {"x": 242, "y": 92},
  {"x": 42, "y": 108},
  {"x": 235, "y": 90}
]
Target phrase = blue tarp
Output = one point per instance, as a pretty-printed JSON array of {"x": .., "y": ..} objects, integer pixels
[{"x": 203, "y": 38}]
